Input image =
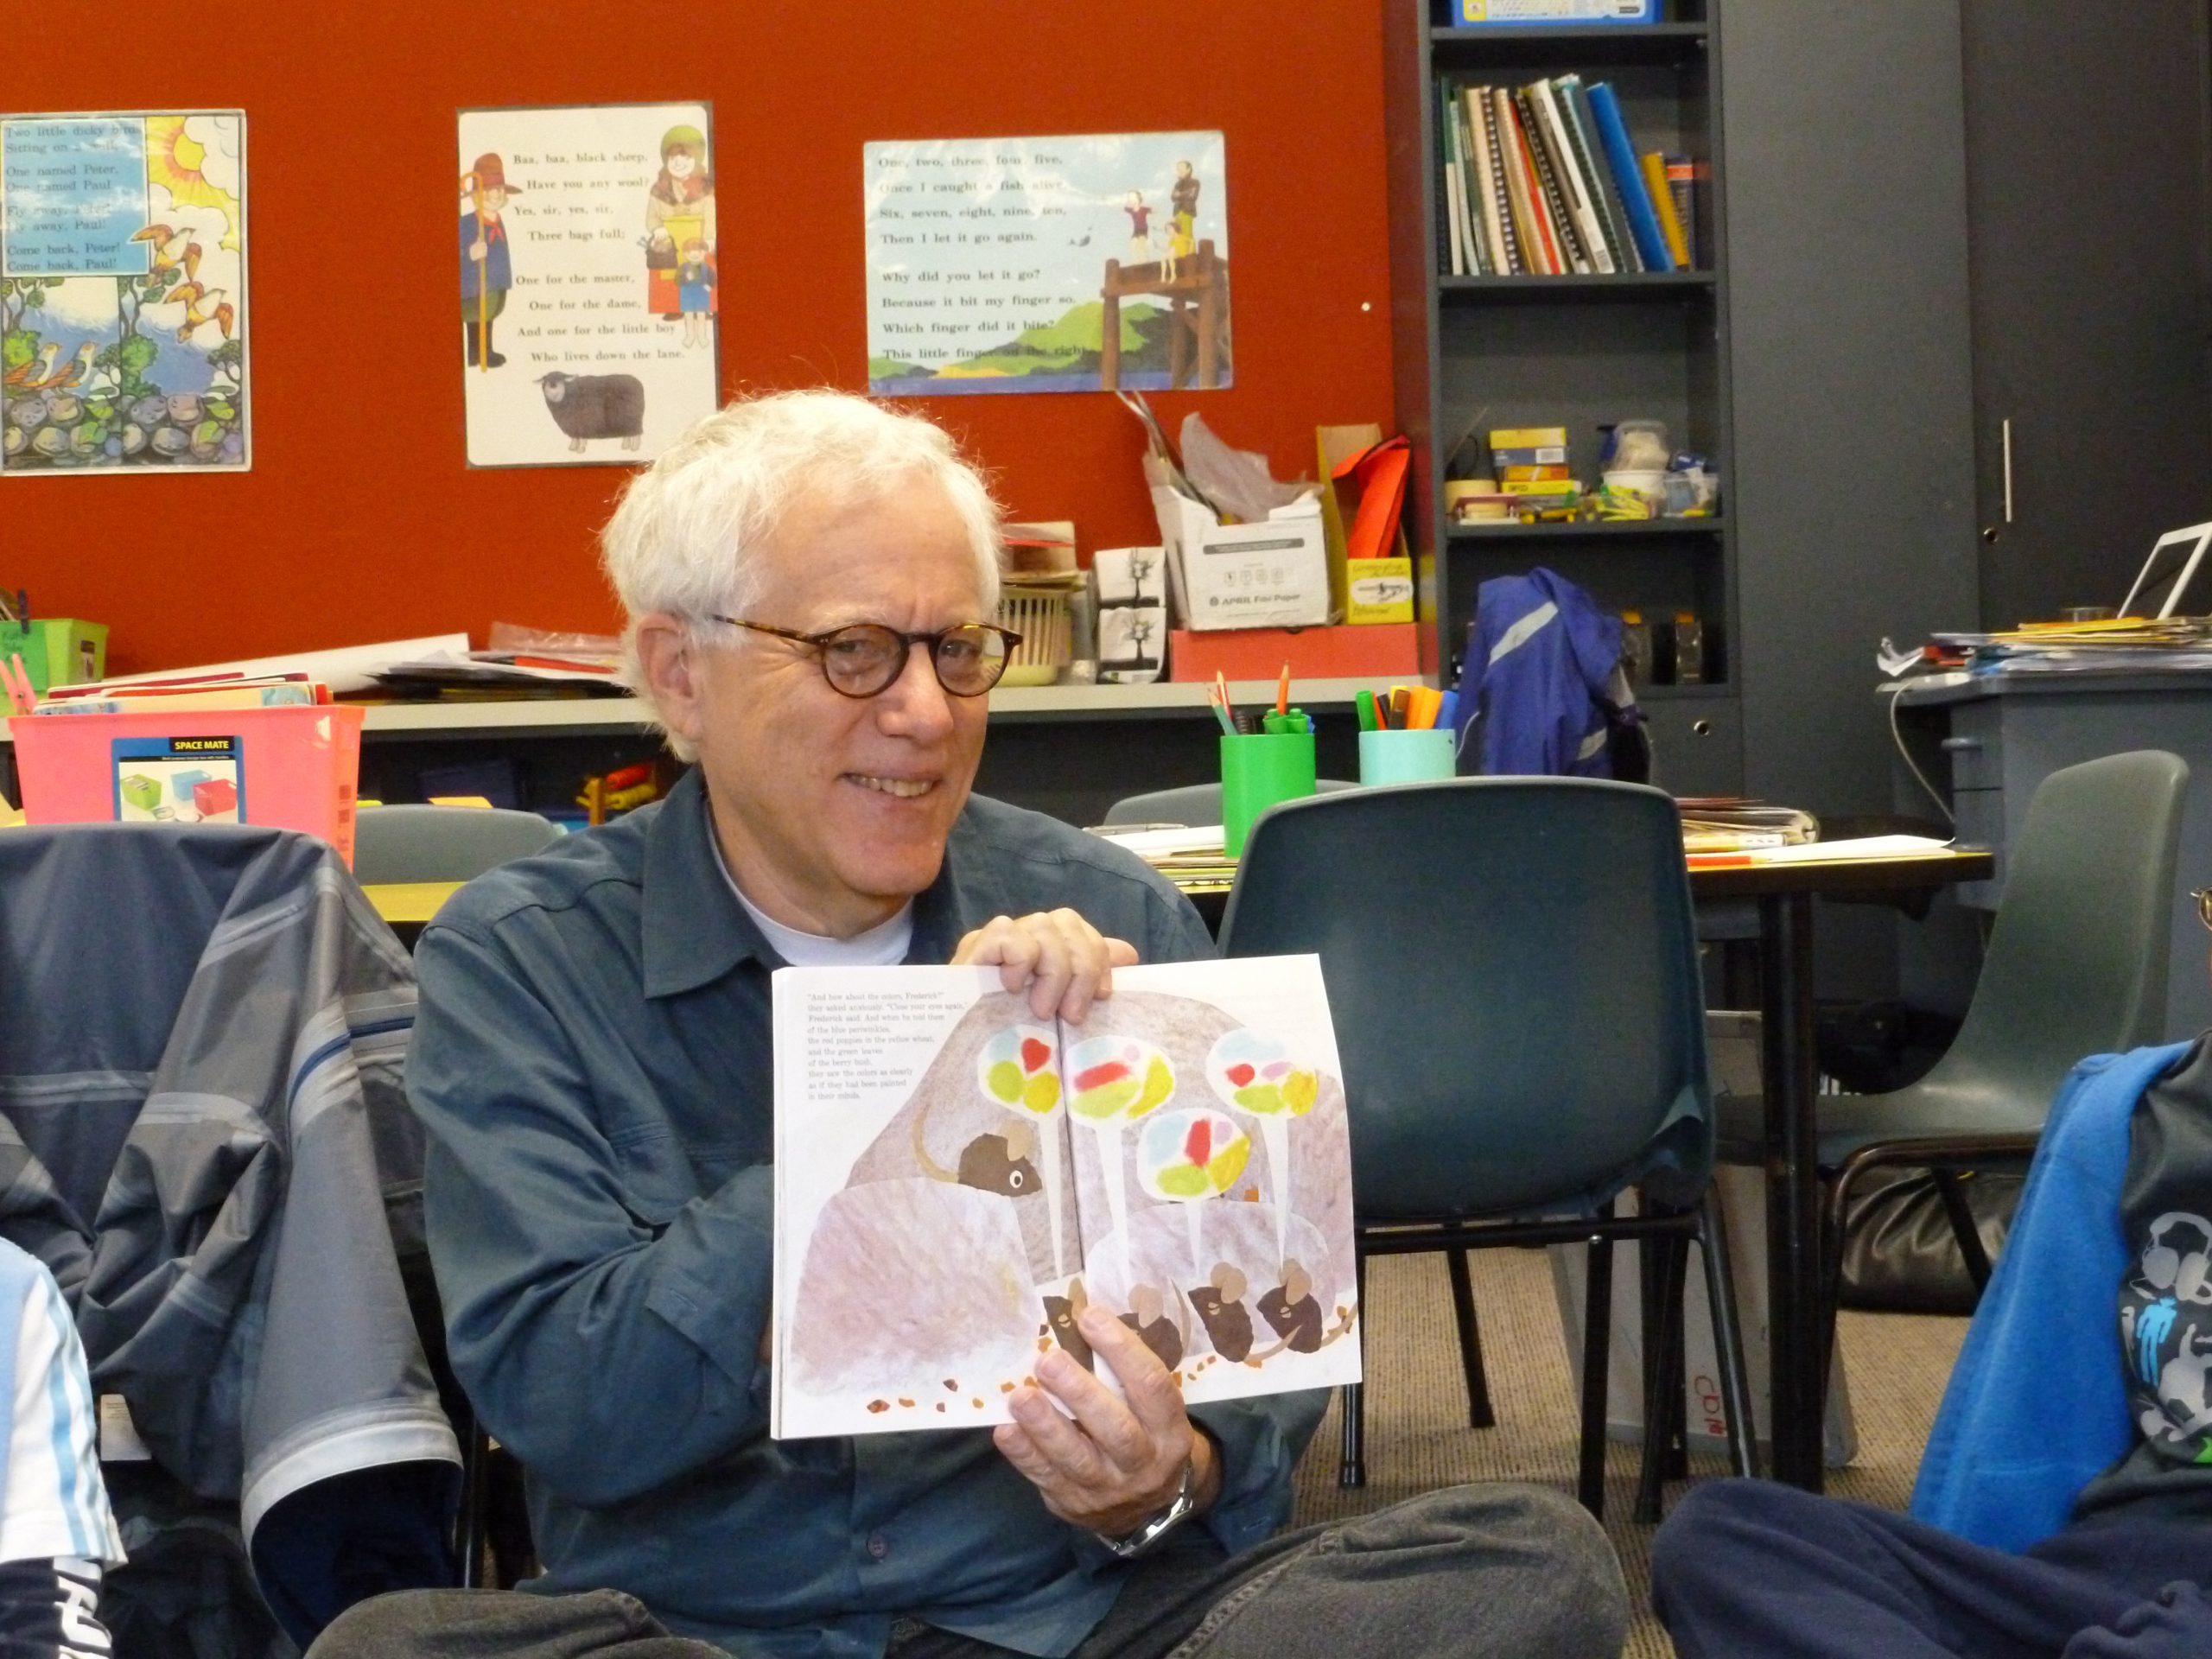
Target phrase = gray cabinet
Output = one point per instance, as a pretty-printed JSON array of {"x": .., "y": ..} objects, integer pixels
[
  {"x": 1991, "y": 742},
  {"x": 2086, "y": 175}
]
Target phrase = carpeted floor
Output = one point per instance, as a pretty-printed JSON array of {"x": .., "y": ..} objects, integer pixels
[{"x": 1417, "y": 1433}]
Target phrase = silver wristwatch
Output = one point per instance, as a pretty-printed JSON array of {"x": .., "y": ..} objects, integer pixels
[{"x": 1157, "y": 1527}]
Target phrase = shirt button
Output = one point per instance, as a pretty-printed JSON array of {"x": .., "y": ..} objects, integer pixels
[{"x": 878, "y": 1546}]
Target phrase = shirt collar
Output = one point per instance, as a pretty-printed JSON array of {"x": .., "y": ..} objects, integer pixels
[{"x": 695, "y": 931}]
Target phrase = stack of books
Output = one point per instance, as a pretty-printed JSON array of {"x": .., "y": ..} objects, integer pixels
[{"x": 1545, "y": 180}]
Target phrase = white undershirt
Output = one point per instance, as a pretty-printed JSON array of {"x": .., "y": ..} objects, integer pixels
[{"x": 883, "y": 946}]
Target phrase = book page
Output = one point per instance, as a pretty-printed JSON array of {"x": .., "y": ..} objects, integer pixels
[
  {"x": 923, "y": 1226},
  {"x": 1207, "y": 1113},
  {"x": 947, "y": 1201}
]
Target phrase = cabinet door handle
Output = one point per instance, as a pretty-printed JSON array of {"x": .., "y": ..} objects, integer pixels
[
  {"x": 2005, "y": 432},
  {"x": 1955, "y": 744}
]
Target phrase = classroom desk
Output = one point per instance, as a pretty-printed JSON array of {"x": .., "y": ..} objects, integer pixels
[{"x": 1784, "y": 895}]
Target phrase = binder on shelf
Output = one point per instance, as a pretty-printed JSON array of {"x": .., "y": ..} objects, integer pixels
[
  {"x": 1663, "y": 202},
  {"x": 1511, "y": 257},
  {"x": 1620, "y": 155},
  {"x": 1552, "y": 196},
  {"x": 1573, "y": 183},
  {"x": 1581, "y": 133}
]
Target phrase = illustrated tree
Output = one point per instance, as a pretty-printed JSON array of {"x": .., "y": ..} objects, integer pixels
[{"x": 19, "y": 294}]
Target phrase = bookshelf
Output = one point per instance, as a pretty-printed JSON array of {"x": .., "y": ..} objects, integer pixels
[{"x": 1478, "y": 351}]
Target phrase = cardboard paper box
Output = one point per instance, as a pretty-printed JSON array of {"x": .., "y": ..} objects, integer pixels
[{"x": 1272, "y": 574}]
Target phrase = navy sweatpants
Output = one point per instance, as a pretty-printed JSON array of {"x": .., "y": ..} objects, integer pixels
[{"x": 1755, "y": 1569}]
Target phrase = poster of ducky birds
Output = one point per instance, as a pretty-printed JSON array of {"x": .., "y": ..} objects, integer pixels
[
  {"x": 1092, "y": 262},
  {"x": 122, "y": 293}
]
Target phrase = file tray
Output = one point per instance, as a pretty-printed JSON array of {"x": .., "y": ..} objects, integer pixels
[{"x": 295, "y": 768}]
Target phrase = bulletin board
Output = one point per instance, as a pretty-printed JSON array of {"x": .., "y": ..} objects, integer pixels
[{"x": 361, "y": 519}]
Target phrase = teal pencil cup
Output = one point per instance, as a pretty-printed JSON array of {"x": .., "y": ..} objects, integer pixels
[
  {"x": 1405, "y": 757},
  {"x": 1256, "y": 772}
]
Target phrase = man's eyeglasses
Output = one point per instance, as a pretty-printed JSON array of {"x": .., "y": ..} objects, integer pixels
[
  {"x": 2203, "y": 897},
  {"x": 867, "y": 657}
]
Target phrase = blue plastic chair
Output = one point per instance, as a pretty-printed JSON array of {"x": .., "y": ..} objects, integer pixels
[
  {"x": 443, "y": 843},
  {"x": 1189, "y": 803},
  {"x": 1512, "y": 969}
]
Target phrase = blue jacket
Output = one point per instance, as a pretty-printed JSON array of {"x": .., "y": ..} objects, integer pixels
[
  {"x": 2038, "y": 1404},
  {"x": 1541, "y": 655}
]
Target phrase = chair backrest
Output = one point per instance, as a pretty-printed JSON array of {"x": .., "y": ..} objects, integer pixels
[
  {"x": 443, "y": 843},
  {"x": 2077, "y": 959},
  {"x": 1512, "y": 972},
  {"x": 1199, "y": 804}
]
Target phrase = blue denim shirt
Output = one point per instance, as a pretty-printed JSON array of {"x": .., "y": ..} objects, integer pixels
[{"x": 592, "y": 1062}]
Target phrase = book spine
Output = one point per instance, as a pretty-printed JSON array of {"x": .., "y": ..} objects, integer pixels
[
  {"x": 1620, "y": 156},
  {"x": 1588, "y": 227},
  {"x": 1550, "y": 198},
  {"x": 1501, "y": 205},
  {"x": 1447, "y": 139},
  {"x": 1470, "y": 239},
  {"x": 1535, "y": 259},
  {"x": 1575, "y": 109},
  {"x": 1663, "y": 202},
  {"x": 1448, "y": 243},
  {"x": 1475, "y": 111},
  {"x": 1538, "y": 231},
  {"x": 1681, "y": 184}
]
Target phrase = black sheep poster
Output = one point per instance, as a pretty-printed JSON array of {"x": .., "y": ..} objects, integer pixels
[
  {"x": 957, "y": 1179},
  {"x": 590, "y": 282}
]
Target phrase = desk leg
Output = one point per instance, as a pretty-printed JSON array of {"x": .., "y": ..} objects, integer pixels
[{"x": 1793, "y": 1211}]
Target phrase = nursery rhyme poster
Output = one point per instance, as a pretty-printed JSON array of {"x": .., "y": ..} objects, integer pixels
[
  {"x": 590, "y": 281},
  {"x": 123, "y": 308},
  {"x": 1085, "y": 263}
]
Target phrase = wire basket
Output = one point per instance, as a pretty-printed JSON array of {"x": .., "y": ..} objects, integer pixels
[{"x": 1040, "y": 617}]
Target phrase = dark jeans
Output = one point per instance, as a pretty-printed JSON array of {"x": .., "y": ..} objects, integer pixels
[
  {"x": 1510, "y": 1570},
  {"x": 1752, "y": 1567}
]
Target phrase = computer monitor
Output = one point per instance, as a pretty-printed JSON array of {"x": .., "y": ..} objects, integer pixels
[{"x": 2174, "y": 558}]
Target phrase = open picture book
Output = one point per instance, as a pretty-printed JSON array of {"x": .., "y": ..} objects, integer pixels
[{"x": 955, "y": 1180}]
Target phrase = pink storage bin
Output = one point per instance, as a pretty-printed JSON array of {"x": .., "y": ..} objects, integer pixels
[{"x": 297, "y": 768}]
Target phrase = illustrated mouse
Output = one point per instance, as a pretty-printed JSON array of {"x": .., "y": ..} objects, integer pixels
[
  {"x": 1059, "y": 1314},
  {"x": 992, "y": 1162},
  {"x": 1220, "y": 1302},
  {"x": 1153, "y": 1325}
]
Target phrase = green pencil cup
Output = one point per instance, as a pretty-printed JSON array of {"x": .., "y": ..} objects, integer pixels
[
  {"x": 1256, "y": 772},
  {"x": 1405, "y": 757}
]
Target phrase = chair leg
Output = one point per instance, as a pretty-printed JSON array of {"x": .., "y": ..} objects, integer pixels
[
  {"x": 1953, "y": 1191},
  {"x": 1597, "y": 1357},
  {"x": 1663, "y": 1373},
  {"x": 1728, "y": 1334},
  {"x": 1352, "y": 1471},
  {"x": 1480, "y": 1413}
]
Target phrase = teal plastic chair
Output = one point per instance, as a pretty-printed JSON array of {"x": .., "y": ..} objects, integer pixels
[
  {"x": 1199, "y": 804},
  {"x": 1512, "y": 969},
  {"x": 2075, "y": 965},
  {"x": 443, "y": 843}
]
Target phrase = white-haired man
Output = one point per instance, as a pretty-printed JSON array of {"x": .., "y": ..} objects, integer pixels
[{"x": 810, "y": 581}]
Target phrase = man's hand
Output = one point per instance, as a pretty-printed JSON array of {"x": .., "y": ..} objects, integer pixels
[
  {"x": 478, "y": 249},
  {"x": 1063, "y": 960},
  {"x": 1116, "y": 1464}
]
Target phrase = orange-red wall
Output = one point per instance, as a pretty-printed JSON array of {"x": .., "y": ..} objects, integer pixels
[{"x": 359, "y": 520}]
